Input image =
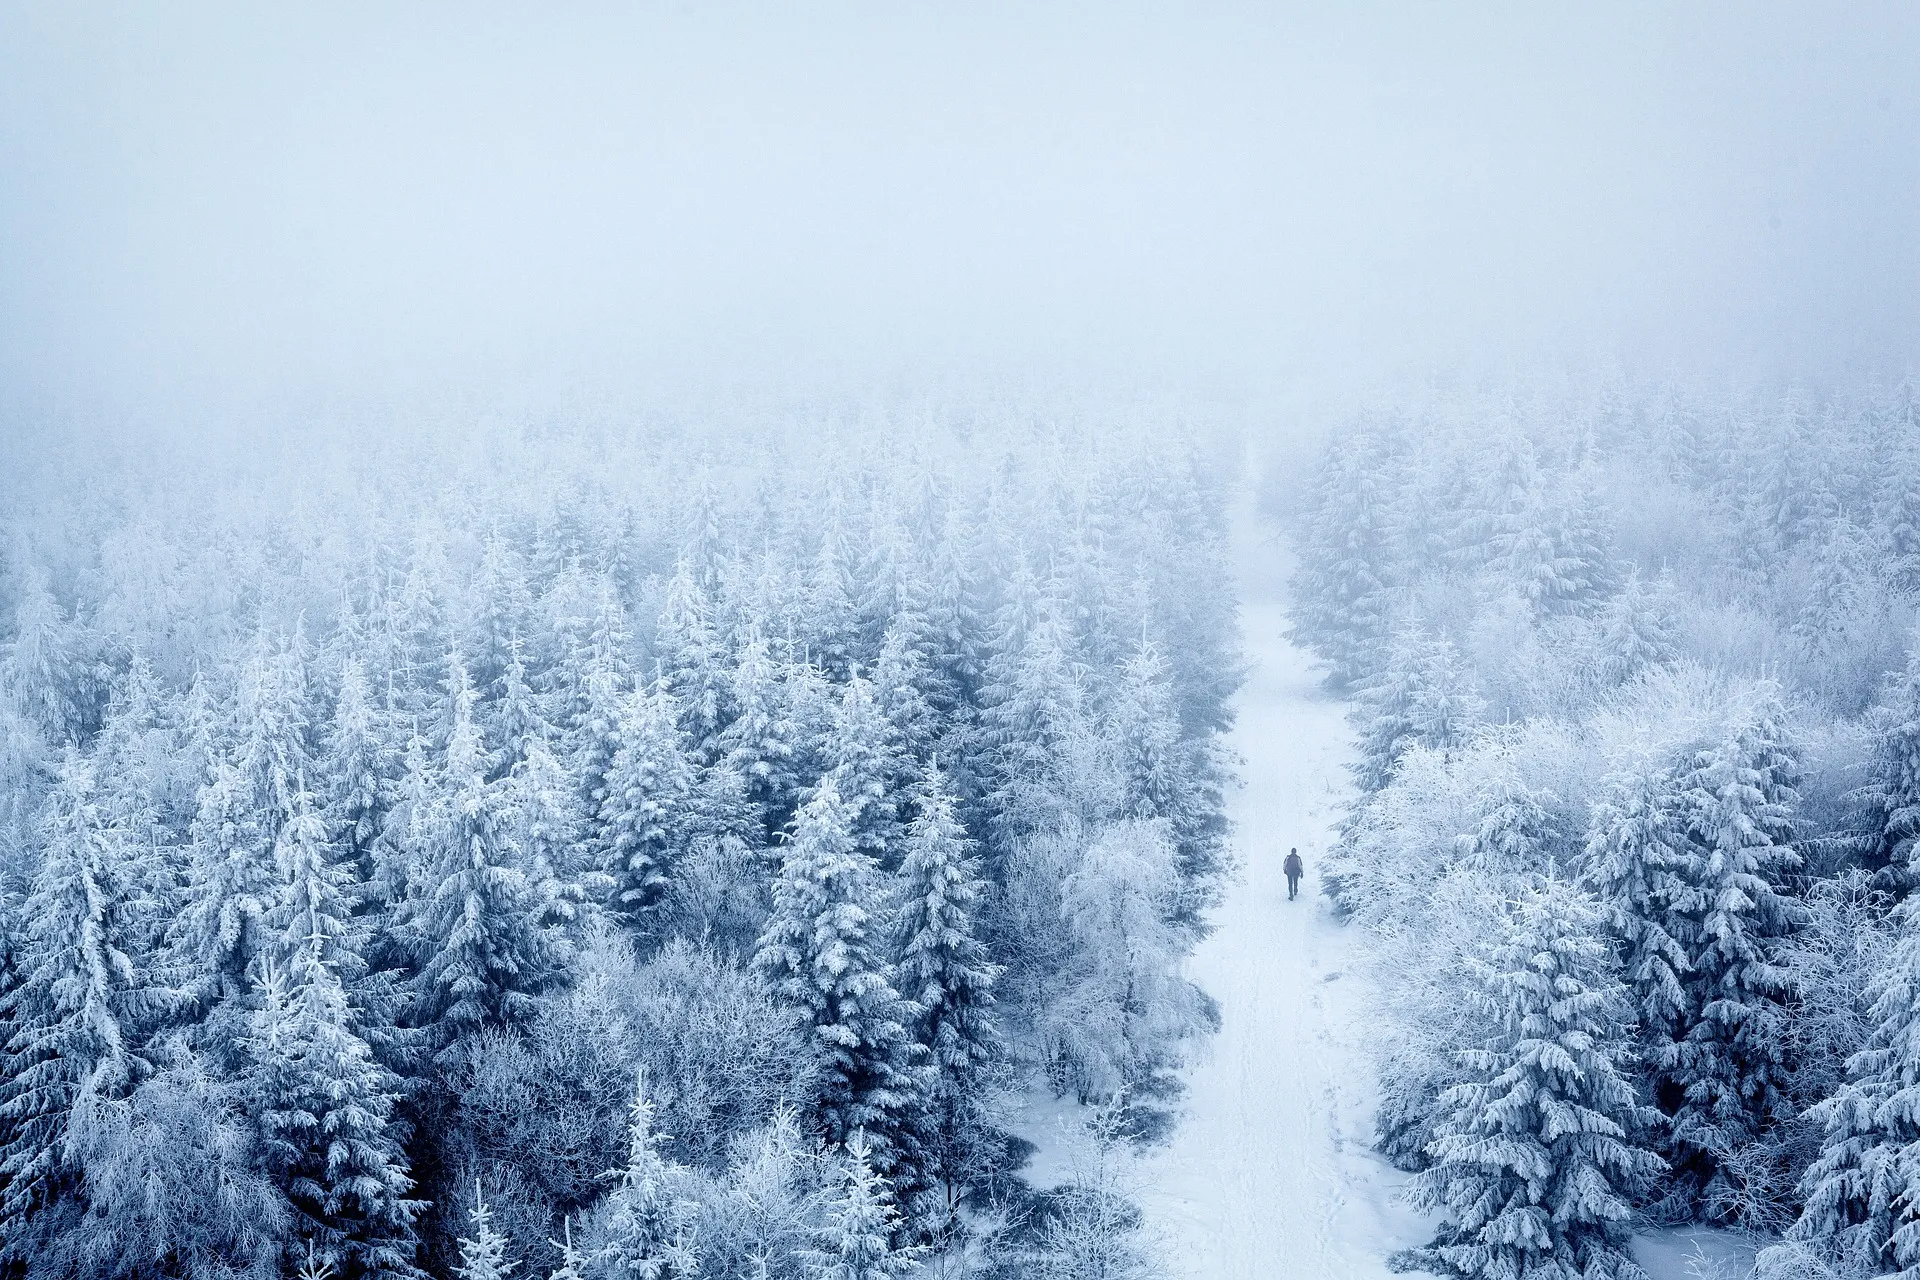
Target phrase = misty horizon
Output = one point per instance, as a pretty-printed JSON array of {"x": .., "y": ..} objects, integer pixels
[{"x": 213, "y": 211}]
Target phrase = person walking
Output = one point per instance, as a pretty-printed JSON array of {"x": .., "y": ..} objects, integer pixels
[{"x": 1294, "y": 869}]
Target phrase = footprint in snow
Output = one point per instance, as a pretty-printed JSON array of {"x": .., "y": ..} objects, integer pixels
[{"x": 1330, "y": 977}]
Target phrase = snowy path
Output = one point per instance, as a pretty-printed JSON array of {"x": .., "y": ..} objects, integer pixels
[{"x": 1269, "y": 1173}]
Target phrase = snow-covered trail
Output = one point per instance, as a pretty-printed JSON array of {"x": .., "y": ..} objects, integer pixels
[{"x": 1270, "y": 1173}]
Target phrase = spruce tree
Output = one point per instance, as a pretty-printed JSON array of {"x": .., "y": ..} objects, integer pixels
[
  {"x": 1536, "y": 1157},
  {"x": 856, "y": 1242},
  {"x": 1862, "y": 1209},
  {"x": 483, "y": 1251},
  {"x": 1735, "y": 802},
  {"x": 324, "y": 1109},
  {"x": 649, "y": 1234},
  {"x": 1643, "y": 870},
  {"x": 1423, "y": 695},
  {"x": 1892, "y": 789},
  {"x": 1342, "y": 593},
  {"x": 821, "y": 950},
  {"x": 945, "y": 972},
  {"x": 645, "y": 814},
  {"x": 759, "y": 744},
  {"x": 693, "y": 659},
  {"x": 76, "y": 1012},
  {"x": 862, "y": 771},
  {"x": 357, "y": 768},
  {"x": 476, "y": 926}
]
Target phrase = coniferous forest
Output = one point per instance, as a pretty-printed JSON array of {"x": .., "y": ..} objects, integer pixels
[
  {"x": 1637, "y": 708},
  {"x": 587, "y": 854}
]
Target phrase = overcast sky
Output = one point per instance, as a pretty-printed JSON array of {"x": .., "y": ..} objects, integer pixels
[{"x": 205, "y": 204}]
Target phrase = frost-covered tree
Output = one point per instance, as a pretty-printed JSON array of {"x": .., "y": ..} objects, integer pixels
[
  {"x": 1342, "y": 591},
  {"x": 478, "y": 928},
  {"x": 1423, "y": 696},
  {"x": 325, "y": 1112},
  {"x": 1642, "y": 869},
  {"x": 1728, "y": 1065},
  {"x": 483, "y": 1252},
  {"x": 822, "y": 949},
  {"x": 1537, "y": 1157},
  {"x": 1862, "y": 1211},
  {"x": 76, "y": 1016},
  {"x": 1892, "y": 789},
  {"x": 857, "y": 1238},
  {"x": 693, "y": 659},
  {"x": 649, "y": 1234},
  {"x": 945, "y": 972},
  {"x": 356, "y": 772},
  {"x": 863, "y": 772},
  {"x": 645, "y": 814}
]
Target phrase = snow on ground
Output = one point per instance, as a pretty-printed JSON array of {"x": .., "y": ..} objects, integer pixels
[{"x": 1271, "y": 1171}]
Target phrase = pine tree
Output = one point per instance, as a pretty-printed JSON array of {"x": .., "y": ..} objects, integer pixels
[
  {"x": 649, "y": 1233},
  {"x": 1892, "y": 789},
  {"x": 1034, "y": 706},
  {"x": 820, "y": 949},
  {"x": 1643, "y": 870},
  {"x": 648, "y": 795},
  {"x": 324, "y": 1108},
  {"x": 1862, "y": 1211},
  {"x": 476, "y": 928},
  {"x": 1535, "y": 1160},
  {"x": 45, "y": 671},
  {"x": 1342, "y": 596},
  {"x": 693, "y": 659},
  {"x": 1736, "y": 801},
  {"x": 76, "y": 1014},
  {"x": 513, "y": 718},
  {"x": 759, "y": 743},
  {"x": 357, "y": 768},
  {"x": 1422, "y": 696},
  {"x": 1635, "y": 633},
  {"x": 945, "y": 972},
  {"x": 310, "y": 911},
  {"x": 573, "y": 1263},
  {"x": 856, "y": 1242},
  {"x": 483, "y": 1254},
  {"x": 862, "y": 771}
]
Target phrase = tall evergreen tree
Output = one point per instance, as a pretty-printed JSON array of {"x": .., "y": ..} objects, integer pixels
[
  {"x": 1423, "y": 695},
  {"x": 945, "y": 971},
  {"x": 1536, "y": 1159},
  {"x": 324, "y": 1108},
  {"x": 1862, "y": 1209},
  {"x": 821, "y": 950},
  {"x": 1736, "y": 801},
  {"x": 80, "y": 1004},
  {"x": 1892, "y": 789},
  {"x": 483, "y": 1252},
  {"x": 477, "y": 925},
  {"x": 649, "y": 791}
]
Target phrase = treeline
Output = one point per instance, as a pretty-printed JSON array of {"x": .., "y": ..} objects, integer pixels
[
  {"x": 595, "y": 853},
  {"x": 1639, "y": 781}
]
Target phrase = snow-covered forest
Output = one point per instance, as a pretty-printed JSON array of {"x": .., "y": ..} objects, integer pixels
[
  {"x": 594, "y": 854},
  {"x": 1637, "y": 697}
]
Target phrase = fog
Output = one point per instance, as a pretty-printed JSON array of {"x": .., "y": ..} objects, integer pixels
[{"x": 210, "y": 207}]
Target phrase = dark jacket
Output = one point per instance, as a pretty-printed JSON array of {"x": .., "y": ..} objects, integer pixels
[{"x": 1293, "y": 866}]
